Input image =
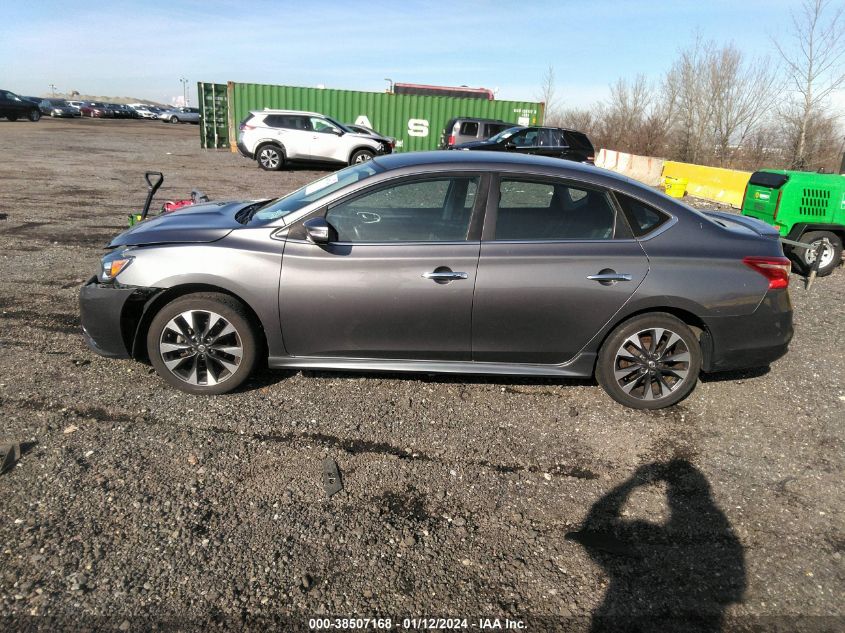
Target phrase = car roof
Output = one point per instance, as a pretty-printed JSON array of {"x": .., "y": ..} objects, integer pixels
[
  {"x": 275, "y": 111},
  {"x": 461, "y": 158}
]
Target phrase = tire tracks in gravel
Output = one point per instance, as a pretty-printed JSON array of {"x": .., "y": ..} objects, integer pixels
[{"x": 351, "y": 446}]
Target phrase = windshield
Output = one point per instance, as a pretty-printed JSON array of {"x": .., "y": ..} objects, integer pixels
[
  {"x": 506, "y": 134},
  {"x": 314, "y": 191},
  {"x": 343, "y": 127}
]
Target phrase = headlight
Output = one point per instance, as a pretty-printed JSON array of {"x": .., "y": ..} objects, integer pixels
[{"x": 113, "y": 264}]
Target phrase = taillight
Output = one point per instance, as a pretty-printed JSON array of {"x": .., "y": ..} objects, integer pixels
[
  {"x": 451, "y": 140},
  {"x": 744, "y": 194},
  {"x": 777, "y": 206},
  {"x": 775, "y": 269},
  {"x": 244, "y": 127}
]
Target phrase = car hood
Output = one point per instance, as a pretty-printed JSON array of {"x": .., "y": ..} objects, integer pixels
[{"x": 199, "y": 223}]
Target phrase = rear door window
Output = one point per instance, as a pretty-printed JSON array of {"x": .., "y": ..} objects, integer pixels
[
  {"x": 550, "y": 210},
  {"x": 491, "y": 129}
]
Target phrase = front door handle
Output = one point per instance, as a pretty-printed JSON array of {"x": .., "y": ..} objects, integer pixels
[{"x": 444, "y": 275}]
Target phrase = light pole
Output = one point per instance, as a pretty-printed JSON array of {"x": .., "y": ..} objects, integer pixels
[
  {"x": 184, "y": 90},
  {"x": 52, "y": 90},
  {"x": 389, "y": 81}
]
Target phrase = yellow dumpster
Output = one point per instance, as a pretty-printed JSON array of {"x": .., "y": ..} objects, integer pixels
[{"x": 675, "y": 187}]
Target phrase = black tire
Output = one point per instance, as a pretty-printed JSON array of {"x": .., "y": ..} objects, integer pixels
[
  {"x": 34, "y": 115},
  {"x": 651, "y": 383},
  {"x": 270, "y": 157},
  {"x": 805, "y": 257},
  {"x": 12, "y": 117},
  {"x": 207, "y": 364},
  {"x": 361, "y": 156},
  {"x": 174, "y": 119}
]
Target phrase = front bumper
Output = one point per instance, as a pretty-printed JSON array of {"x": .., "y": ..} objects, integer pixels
[
  {"x": 110, "y": 315},
  {"x": 755, "y": 340}
]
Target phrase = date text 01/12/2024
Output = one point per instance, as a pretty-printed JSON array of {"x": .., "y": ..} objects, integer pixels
[{"x": 415, "y": 624}]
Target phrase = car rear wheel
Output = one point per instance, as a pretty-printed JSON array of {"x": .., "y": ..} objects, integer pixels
[
  {"x": 34, "y": 115},
  {"x": 174, "y": 119},
  {"x": 203, "y": 343},
  {"x": 830, "y": 255},
  {"x": 649, "y": 362},
  {"x": 12, "y": 117},
  {"x": 270, "y": 158},
  {"x": 361, "y": 156}
]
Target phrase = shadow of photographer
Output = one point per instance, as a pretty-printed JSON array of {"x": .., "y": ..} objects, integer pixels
[{"x": 677, "y": 576}]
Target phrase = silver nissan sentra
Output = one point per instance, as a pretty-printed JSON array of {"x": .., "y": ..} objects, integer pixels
[{"x": 481, "y": 263}]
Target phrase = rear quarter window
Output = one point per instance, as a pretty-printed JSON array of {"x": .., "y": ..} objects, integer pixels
[
  {"x": 469, "y": 128},
  {"x": 642, "y": 217},
  {"x": 577, "y": 140}
]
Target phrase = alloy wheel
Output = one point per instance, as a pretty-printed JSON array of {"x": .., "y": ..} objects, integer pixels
[
  {"x": 201, "y": 347},
  {"x": 652, "y": 364},
  {"x": 269, "y": 158}
]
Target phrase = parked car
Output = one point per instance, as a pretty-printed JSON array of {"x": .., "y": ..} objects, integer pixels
[
  {"x": 95, "y": 109},
  {"x": 57, "y": 108},
  {"x": 180, "y": 115},
  {"x": 450, "y": 262},
  {"x": 145, "y": 111},
  {"x": 77, "y": 105},
  {"x": 276, "y": 137},
  {"x": 366, "y": 131},
  {"x": 14, "y": 107},
  {"x": 122, "y": 111},
  {"x": 467, "y": 129},
  {"x": 542, "y": 141}
]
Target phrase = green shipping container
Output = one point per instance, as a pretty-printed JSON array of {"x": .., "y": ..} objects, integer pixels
[{"x": 414, "y": 121}]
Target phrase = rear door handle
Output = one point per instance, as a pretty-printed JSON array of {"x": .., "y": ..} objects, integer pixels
[
  {"x": 444, "y": 275},
  {"x": 610, "y": 277}
]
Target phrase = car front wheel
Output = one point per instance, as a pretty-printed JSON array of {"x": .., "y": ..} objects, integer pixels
[
  {"x": 270, "y": 158},
  {"x": 361, "y": 156},
  {"x": 12, "y": 117},
  {"x": 649, "y": 362},
  {"x": 203, "y": 343},
  {"x": 174, "y": 119}
]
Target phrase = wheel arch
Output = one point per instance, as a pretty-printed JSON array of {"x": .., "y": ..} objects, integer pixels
[
  {"x": 691, "y": 319},
  {"x": 801, "y": 228},
  {"x": 144, "y": 315}
]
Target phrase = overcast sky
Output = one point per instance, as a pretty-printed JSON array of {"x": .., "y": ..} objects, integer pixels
[{"x": 142, "y": 48}]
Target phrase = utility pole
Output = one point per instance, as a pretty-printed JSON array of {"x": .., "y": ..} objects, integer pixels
[
  {"x": 52, "y": 90},
  {"x": 184, "y": 81}
]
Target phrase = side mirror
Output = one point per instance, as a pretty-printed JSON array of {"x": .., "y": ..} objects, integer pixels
[
  {"x": 318, "y": 230},
  {"x": 510, "y": 145}
]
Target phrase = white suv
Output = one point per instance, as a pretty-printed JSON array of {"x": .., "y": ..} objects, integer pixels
[{"x": 275, "y": 137}]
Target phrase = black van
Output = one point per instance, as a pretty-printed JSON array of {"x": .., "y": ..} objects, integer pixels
[
  {"x": 543, "y": 141},
  {"x": 464, "y": 129}
]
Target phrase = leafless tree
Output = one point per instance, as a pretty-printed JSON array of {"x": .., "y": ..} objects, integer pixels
[
  {"x": 548, "y": 95},
  {"x": 743, "y": 95},
  {"x": 814, "y": 65}
]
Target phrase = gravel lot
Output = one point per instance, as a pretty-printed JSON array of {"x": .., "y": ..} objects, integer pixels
[{"x": 543, "y": 501}]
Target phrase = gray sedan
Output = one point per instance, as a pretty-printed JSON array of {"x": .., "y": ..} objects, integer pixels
[
  {"x": 180, "y": 115},
  {"x": 476, "y": 263}
]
